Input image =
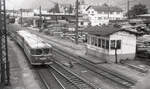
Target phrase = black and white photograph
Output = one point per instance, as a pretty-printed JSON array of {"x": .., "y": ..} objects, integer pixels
[{"x": 74, "y": 44}]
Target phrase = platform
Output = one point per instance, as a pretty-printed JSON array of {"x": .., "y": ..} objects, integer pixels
[{"x": 21, "y": 76}]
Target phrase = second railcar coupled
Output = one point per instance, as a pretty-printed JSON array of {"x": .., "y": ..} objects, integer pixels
[{"x": 37, "y": 51}]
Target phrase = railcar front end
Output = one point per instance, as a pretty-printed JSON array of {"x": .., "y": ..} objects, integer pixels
[{"x": 41, "y": 56}]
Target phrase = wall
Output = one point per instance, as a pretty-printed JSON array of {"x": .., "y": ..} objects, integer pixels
[
  {"x": 127, "y": 51},
  {"x": 102, "y": 18},
  {"x": 128, "y": 46},
  {"x": 128, "y": 43}
]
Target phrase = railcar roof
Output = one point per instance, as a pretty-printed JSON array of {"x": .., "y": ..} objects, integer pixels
[{"x": 32, "y": 40}]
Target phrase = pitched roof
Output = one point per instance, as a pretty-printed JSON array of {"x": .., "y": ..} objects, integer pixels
[
  {"x": 105, "y": 30},
  {"x": 32, "y": 40},
  {"x": 106, "y": 8}
]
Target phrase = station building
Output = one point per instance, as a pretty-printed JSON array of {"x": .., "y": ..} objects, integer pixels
[{"x": 107, "y": 41}]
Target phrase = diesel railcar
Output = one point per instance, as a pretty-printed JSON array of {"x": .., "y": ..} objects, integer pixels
[{"x": 37, "y": 51}]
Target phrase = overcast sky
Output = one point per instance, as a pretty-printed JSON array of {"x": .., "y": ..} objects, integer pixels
[{"x": 16, "y": 4}]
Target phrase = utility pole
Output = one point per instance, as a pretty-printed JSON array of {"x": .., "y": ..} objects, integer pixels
[
  {"x": 13, "y": 12},
  {"x": 128, "y": 8},
  {"x": 108, "y": 9},
  {"x": 4, "y": 63},
  {"x": 40, "y": 11},
  {"x": 76, "y": 30},
  {"x": 21, "y": 16},
  {"x": 116, "y": 57}
]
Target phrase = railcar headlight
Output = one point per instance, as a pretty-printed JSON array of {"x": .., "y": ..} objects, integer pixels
[{"x": 36, "y": 58}]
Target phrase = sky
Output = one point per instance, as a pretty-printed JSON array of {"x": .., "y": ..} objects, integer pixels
[{"x": 17, "y": 4}]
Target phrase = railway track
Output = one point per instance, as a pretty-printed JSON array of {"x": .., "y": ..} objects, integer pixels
[
  {"x": 74, "y": 79},
  {"x": 56, "y": 77},
  {"x": 109, "y": 74},
  {"x": 48, "y": 79},
  {"x": 67, "y": 84}
]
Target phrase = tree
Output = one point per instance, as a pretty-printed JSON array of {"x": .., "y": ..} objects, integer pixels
[
  {"x": 70, "y": 9},
  {"x": 55, "y": 9},
  {"x": 137, "y": 10}
]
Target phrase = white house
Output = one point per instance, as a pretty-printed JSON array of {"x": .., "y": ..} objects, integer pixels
[
  {"x": 100, "y": 15},
  {"x": 82, "y": 7},
  {"x": 107, "y": 41},
  {"x": 82, "y": 22}
]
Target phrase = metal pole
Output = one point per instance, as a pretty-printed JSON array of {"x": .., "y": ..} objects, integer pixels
[
  {"x": 128, "y": 8},
  {"x": 76, "y": 30},
  {"x": 1, "y": 43},
  {"x": 21, "y": 16},
  {"x": 40, "y": 8},
  {"x": 116, "y": 55},
  {"x": 7, "y": 61},
  {"x": 13, "y": 12},
  {"x": 108, "y": 9}
]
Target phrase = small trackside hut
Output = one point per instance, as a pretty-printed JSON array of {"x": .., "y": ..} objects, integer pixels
[{"x": 111, "y": 43}]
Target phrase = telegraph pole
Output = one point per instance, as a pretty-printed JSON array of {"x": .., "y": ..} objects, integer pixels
[
  {"x": 108, "y": 9},
  {"x": 128, "y": 8},
  {"x": 13, "y": 12},
  {"x": 116, "y": 61},
  {"x": 4, "y": 63},
  {"x": 76, "y": 30},
  {"x": 40, "y": 12},
  {"x": 6, "y": 47},
  {"x": 21, "y": 16}
]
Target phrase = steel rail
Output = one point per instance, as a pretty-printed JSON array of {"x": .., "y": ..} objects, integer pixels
[
  {"x": 114, "y": 76},
  {"x": 76, "y": 80}
]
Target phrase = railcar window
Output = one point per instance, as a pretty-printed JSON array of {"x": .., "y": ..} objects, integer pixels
[
  {"x": 45, "y": 51},
  {"x": 38, "y": 51},
  {"x": 33, "y": 52}
]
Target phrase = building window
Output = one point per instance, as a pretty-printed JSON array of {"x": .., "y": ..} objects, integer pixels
[
  {"x": 111, "y": 12},
  {"x": 112, "y": 44},
  {"x": 107, "y": 44},
  {"x": 118, "y": 44},
  {"x": 99, "y": 42},
  {"x": 88, "y": 37},
  {"x": 92, "y": 14},
  {"x": 92, "y": 40},
  {"x": 99, "y": 18},
  {"x": 103, "y": 43},
  {"x": 95, "y": 39},
  {"x": 118, "y": 12},
  {"x": 81, "y": 23}
]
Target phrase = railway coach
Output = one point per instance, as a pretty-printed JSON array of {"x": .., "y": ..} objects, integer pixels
[{"x": 37, "y": 51}]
